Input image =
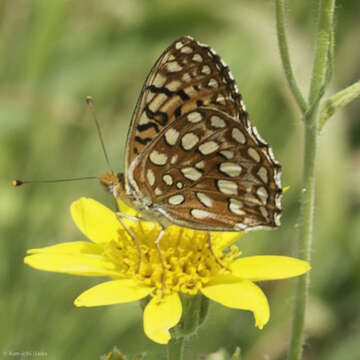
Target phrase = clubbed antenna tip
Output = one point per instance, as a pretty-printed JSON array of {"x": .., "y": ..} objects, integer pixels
[{"x": 16, "y": 182}]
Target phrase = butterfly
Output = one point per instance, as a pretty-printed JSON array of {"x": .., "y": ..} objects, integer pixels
[{"x": 192, "y": 157}]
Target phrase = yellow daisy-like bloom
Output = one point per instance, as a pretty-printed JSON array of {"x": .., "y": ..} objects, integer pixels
[{"x": 191, "y": 267}]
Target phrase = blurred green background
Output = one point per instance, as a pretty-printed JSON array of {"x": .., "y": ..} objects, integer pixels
[{"x": 55, "y": 53}]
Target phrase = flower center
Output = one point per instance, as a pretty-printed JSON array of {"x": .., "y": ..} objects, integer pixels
[{"x": 185, "y": 262}]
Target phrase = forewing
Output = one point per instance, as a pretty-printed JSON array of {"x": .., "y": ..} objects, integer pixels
[
  {"x": 206, "y": 171},
  {"x": 186, "y": 76}
]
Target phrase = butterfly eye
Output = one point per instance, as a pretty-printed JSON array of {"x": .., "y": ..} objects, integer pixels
[{"x": 112, "y": 182}]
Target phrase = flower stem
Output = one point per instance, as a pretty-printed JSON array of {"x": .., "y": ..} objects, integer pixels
[
  {"x": 306, "y": 236},
  {"x": 195, "y": 308},
  {"x": 175, "y": 348},
  {"x": 321, "y": 70}
]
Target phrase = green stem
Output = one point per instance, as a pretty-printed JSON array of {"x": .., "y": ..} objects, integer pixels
[
  {"x": 175, "y": 349},
  {"x": 195, "y": 308},
  {"x": 318, "y": 83},
  {"x": 306, "y": 236},
  {"x": 285, "y": 56}
]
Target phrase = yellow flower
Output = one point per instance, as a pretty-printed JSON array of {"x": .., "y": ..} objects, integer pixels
[{"x": 191, "y": 267}]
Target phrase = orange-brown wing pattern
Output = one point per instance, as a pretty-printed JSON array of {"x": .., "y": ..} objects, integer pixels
[{"x": 206, "y": 171}]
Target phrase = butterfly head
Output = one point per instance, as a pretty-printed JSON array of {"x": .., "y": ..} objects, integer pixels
[{"x": 114, "y": 183}]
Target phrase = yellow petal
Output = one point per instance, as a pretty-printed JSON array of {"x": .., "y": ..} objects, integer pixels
[
  {"x": 239, "y": 294},
  {"x": 222, "y": 240},
  {"x": 96, "y": 221},
  {"x": 146, "y": 226},
  {"x": 112, "y": 292},
  {"x": 258, "y": 268},
  {"x": 76, "y": 247},
  {"x": 125, "y": 208},
  {"x": 85, "y": 265},
  {"x": 160, "y": 316}
]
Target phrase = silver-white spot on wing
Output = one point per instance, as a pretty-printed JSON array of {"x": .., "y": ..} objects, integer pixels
[
  {"x": 179, "y": 185},
  {"x": 230, "y": 169},
  {"x": 173, "y": 85},
  {"x": 208, "y": 147},
  {"x": 200, "y": 165},
  {"x": 254, "y": 154},
  {"x": 213, "y": 83},
  {"x": 235, "y": 207},
  {"x": 176, "y": 199},
  {"x": 204, "y": 199},
  {"x": 206, "y": 70},
  {"x": 158, "y": 158},
  {"x": 197, "y": 58},
  {"x": 173, "y": 66},
  {"x": 227, "y": 187},
  {"x": 186, "y": 50},
  {"x": 173, "y": 159},
  {"x": 191, "y": 173},
  {"x": 186, "y": 77},
  {"x": 220, "y": 99},
  {"x": 194, "y": 117},
  {"x": 168, "y": 179},
  {"x": 217, "y": 122},
  {"x": 157, "y": 102},
  {"x": 263, "y": 174},
  {"x": 227, "y": 154},
  {"x": 264, "y": 212},
  {"x": 189, "y": 140},
  {"x": 262, "y": 193},
  {"x": 150, "y": 176},
  {"x": 159, "y": 80},
  {"x": 171, "y": 136},
  {"x": 238, "y": 136},
  {"x": 201, "y": 214}
]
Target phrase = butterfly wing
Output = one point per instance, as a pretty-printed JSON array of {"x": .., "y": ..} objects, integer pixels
[
  {"x": 187, "y": 75},
  {"x": 206, "y": 171}
]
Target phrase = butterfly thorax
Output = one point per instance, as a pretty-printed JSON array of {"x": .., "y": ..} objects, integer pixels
[{"x": 115, "y": 185}]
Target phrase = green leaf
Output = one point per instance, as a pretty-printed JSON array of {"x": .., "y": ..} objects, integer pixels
[{"x": 337, "y": 101}]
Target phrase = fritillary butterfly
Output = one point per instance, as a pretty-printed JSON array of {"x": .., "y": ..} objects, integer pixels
[{"x": 192, "y": 157}]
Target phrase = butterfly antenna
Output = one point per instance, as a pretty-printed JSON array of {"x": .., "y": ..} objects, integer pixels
[
  {"x": 90, "y": 102},
  {"x": 22, "y": 182}
]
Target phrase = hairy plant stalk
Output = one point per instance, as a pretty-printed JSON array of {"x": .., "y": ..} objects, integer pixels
[
  {"x": 306, "y": 237},
  {"x": 175, "y": 349},
  {"x": 320, "y": 77}
]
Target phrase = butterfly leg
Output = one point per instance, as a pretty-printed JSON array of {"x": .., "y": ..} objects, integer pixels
[
  {"x": 129, "y": 217},
  {"x": 208, "y": 235},
  {"x": 120, "y": 217},
  {"x": 157, "y": 243}
]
